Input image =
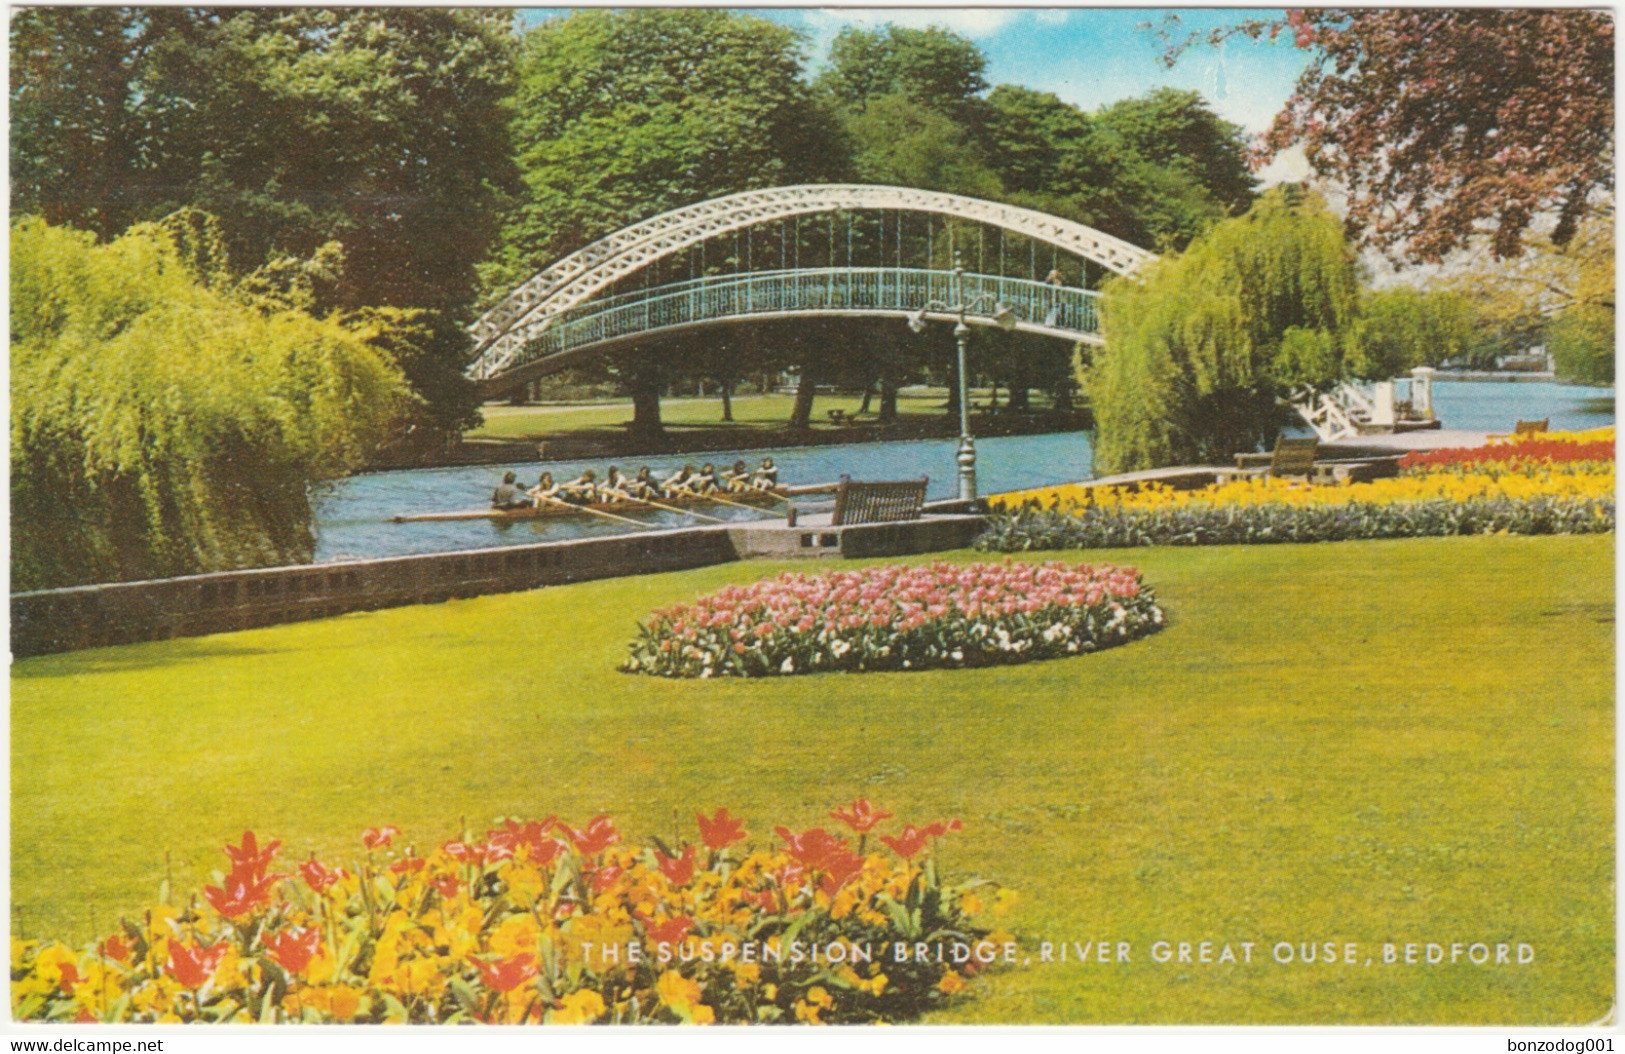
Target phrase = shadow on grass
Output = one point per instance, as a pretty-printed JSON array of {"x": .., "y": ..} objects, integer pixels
[{"x": 121, "y": 658}]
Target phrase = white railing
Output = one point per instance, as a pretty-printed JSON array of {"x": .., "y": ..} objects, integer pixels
[{"x": 1038, "y": 307}]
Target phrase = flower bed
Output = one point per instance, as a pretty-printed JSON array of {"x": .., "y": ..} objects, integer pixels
[
  {"x": 1558, "y": 483},
  {"x": 898, "y": 618},
  {"x": 543, "y": 922}
]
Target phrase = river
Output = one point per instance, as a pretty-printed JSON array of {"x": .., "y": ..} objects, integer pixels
[{"x": 352, "y": 516}]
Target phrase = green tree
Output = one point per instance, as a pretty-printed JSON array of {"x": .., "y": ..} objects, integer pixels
[
  {"x": 383, "y": 130},
  {"x": 933, "y": 67},
  {"x": 1176, "y": 130},
  {"x": 621, "y": 115},
  {"x": 162, "y": 424},
  {"x": 1202, "y": 345},
  {"x": 1581, "y": 343},
  {"x": 1405, "y": 327}
]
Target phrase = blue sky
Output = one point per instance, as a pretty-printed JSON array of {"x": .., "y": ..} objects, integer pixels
[{"x": 1089, "y": 57}]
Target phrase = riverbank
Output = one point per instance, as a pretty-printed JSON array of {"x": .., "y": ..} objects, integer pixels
[{"x": 589, "y": 444}]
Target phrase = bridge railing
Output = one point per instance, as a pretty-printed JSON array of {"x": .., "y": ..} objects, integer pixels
[{"x": 1040, "y": 306}]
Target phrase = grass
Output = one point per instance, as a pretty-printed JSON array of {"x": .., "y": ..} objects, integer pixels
[
  {"x": 751, "y": 412},
  {"x": 1370, "y": 742}
]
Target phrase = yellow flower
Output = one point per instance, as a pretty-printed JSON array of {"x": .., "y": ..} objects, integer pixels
[
  {"x": 581, "y": 1007},
  {"x": 971, "y": 904},
  {"x": 951, "y": 983},
  {"x": 677, "y": 991}
]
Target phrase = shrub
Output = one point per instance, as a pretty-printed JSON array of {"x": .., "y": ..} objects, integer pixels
[
  {"x": 1113, "y": 526},
  {"x": 519, "y": 927},
  {"x": 897, "y": 618}
]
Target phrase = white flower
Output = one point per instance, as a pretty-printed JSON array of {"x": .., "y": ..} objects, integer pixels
[
  {"x": 788, "y": 667},
  {"x": 956, "y": 655},
  {"x": 840, "y": 648}
]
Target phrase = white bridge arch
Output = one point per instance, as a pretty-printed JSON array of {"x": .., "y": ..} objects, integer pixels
[{"x": 526, "y": 313}]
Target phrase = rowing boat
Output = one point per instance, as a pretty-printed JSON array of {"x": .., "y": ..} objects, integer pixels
[{"x": 548, "y": 512}]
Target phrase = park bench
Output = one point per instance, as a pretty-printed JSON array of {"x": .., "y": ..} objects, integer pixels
[
  {"x": 1291, "y": 458},
  {"x": 869, "y": 502}
]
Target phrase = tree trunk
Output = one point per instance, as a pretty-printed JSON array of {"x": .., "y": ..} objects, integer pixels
[
  {"x": 646, "y": 404},
  {"x": 801, "y": 414},
  {"x": 1019, "y": 399},
  {"x": 888, "y": 400},
  {"x": 727, "y": 399},
  {"x": 868, "y": 394}
]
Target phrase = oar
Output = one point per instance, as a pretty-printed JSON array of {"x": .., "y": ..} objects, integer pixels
[
  {"x": 596, "y": 512},
  {"x": 735, "y": 504},
  {"x": 672, "y": 508}
]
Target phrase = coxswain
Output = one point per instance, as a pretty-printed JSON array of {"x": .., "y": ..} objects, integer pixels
[
  {"x": 767, "y": 477},
  {"x": 738, "y": 477},
  {"x": 679, "y": 482},
  {"x": 583, "y": 490},
  {"x": 509, "y": 494},
  {"x": 707, "y": 482}
]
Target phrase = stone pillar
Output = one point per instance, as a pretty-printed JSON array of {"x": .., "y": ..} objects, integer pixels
[
  {"x": 1382, "y": 404},
  {"x": 1422, "y": 391}
]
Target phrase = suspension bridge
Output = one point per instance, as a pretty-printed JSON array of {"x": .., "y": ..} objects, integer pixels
[{"x": 631, "y": 285}]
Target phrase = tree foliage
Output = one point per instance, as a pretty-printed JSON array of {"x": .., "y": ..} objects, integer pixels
[
  {"x": 383, "y": 130},
  {"x": 1204, "y": 343},
  {"x": 622, "y": 115},
  {"x": 1446, "y": 122},
  {"x": 163, "y": 423},
  {"x": 1404, "y": 327},
  {"x": 1581, "y": 343},
  {"x": 933, "y": 67}
]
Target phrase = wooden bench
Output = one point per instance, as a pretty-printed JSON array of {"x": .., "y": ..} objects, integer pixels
[
  {"x": 859, "y": 503},
  {"x": 1293, "y": 458}
]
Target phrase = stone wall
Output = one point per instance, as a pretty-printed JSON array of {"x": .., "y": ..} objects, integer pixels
[{"x": 54, "y": 620}]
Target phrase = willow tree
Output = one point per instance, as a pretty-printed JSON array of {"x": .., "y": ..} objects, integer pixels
[
  {"x": 162, "y": 421},
  {"x": 1202, "y": 346}
]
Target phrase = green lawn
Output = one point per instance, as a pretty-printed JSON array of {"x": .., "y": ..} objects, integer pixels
[
  {"x": 751, "y": 412},
  {"x": 1370, "y": 741}
]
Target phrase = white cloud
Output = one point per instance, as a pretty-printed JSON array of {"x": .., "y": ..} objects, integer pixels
[{"x": 1051, "y": 16}]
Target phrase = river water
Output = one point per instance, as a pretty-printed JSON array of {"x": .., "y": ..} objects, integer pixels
[{"x": 353, "y": 515}]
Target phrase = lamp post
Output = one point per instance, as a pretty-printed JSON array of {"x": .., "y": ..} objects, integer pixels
[{"x": 1005, "y": 319}]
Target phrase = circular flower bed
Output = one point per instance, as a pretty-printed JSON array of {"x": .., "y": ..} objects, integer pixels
[{"x": 898, "y": 618}]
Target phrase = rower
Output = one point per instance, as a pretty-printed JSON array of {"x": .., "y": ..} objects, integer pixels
[
  {"x": 615, "y": 484},
  {"x": 738, "y": 477},
  {"x": 679, "y": 482},
  {"x": 707, "y": 482},
  {"x": 509, "y": 495},
  {"x": 643, "y": 485},
  {"x": 544, "y": 489},
  {"x": 583, "y": 490},
  {"x": 767, "y": 477}
]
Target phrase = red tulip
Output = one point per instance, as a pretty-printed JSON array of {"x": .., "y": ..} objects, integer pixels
[
  {"x": 191, "y": 965},
  {"x": 242, "y": 894},
  {"x": 811, "y": 848},
  {"x": 907, "y": 844},
  {"x": 248, "y": 859},
  {"x": 446, "y": 885},
  {"x": 672, "y": 931},
  {"x": 861, "y": 816},
  {"x": 840, "y": 869},
  {"x": 318, "y": 876},
  {"x": 505, "y": 975},
  {"x": 378, "y": 837},
  {"x": 721, "y": 830},
  {"x": 942, "y": 827},
  {"x": 115, "y": 948},
  {"x": 598, "y": 835},
  {"x": 604, "y": 877},
  {"x": 293, "y": 949},
  {"x": 678, "y": 869},
  {"x": 407, "y": 864}
]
